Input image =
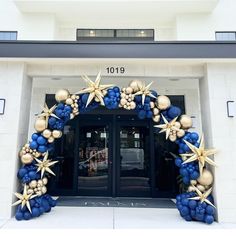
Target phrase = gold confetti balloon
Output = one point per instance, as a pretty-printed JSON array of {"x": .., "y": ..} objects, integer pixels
[
  {"x": 163, "y": 102},
  {"x": 47, "y": 133},
  {"x": 186, "y": 122},
  {"x": 40, "y": 124},
  {"x": 27, "y": 158},
  {"x": 69, "y": 101},
  {"x": 62, "y": 95},
  {"x": 206, "y": 178},
  {"x": 51, "y": 139}
]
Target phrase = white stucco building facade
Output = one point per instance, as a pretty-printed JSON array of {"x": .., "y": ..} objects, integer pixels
[{"x": 38, "y": 63}]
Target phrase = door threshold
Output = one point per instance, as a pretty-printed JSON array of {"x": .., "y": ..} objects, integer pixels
[{"x": 131, "y": 202}]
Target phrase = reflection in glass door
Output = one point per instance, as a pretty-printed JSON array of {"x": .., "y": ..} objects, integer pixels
[
  {"x": 93, "y": 169},
  {"x": 134, "y": 158}
]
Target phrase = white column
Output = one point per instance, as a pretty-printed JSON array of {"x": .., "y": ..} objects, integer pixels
[
  {"x": 15, "y": 87},
  {"x": 216, "y": 88}
]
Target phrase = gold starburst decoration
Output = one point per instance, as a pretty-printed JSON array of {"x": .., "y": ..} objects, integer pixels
[
  {"x": 202, "y": 197},
  {"x": 95, "y": 89},
  {"x": 48, "y": 112},
  {"x": 24, "y": 199},
  {"x": 144, "y": 91},
  {"x": 199, "y": 154},
  {"x": 44, "y": 165},
  {"x": 168, "y": 126}
]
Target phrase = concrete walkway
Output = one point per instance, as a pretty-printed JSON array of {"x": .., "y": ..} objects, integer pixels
[{"x": 110, "y": 218}]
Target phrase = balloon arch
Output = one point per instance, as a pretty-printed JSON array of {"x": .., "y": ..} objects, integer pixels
[{"x": 196, "y": 203}]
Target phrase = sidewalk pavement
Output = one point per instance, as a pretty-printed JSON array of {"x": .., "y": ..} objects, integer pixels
[{"x": 110, "y": 218}]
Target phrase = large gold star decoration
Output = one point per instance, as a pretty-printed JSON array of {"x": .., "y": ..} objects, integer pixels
[
  {"x": 168, "y": 126},
  {"x": 48, "y": 112},
  {"x": 24, "y": 199},
  {"x": 199, "y": 154},
  {"x": 44, "y": 165},
  {"x": 202, "y": 197},
  {"x": 144, "y": 91},
  {"x": 95, "y": 89}
]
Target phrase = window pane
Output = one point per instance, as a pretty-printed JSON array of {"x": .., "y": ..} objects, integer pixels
[
  {"x": 8, "y": 35},
  {"x": 225, "y": 36}
]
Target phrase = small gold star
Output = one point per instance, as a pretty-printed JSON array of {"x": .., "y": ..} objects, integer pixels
[
  {"x": 199, "y": 154},
  {"x": 44, "y": 165},
  {"x": 48, "y": 112},
  {"x": 94, "y": 89},
  {"x": 24, "y": 199},
  {"x": 202, "y": 196},
  {"x": 144, "y": 91},
  {"x": 168, "y": 126}
]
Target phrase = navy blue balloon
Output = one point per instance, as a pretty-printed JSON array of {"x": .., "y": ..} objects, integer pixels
[
  {"x": 210, "y": 210},
  {"x": 194, "y": 175},
  {"x": 27, "y": 216},
  {"x": 35, "y": 212},
  {"x": 41, "y": 140},
  {"x": 184, "y": 211},
  {"x": 178, "y": 162},
  {"x": 209, "y": 219},
  {"x": 149, "y": 114},
  {"x": 22, "y": 172},
  {"x": 173, "y": 112},
  {"x": 32, "y": 175},
  {"x": 192, "y": 204},
  {"x": 33, "y": 145},
  {"x": 141, "y": 114},
  {"x": 34, "y": 136},
  {"x": 52, "y": 121},
  {"x": 42, "y": 148},
  {"x": 19, "y": 216},
  {"x": 84, "y": 98}
]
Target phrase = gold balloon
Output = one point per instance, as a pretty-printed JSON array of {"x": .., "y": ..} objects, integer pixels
[
  {"x": 129, "y": 90},
  {"x": 123, "y": 101},
  {"x": 155, "y": 111},
  {"x": 186, "y": 122},
  {"x": 62, "y": 95},
  {"x": 33, "y": 184},
  {"x": 206, "y": 178},
  {"x": 136, "y": 85},
  {"x": 193, "y": 182},
  {"x": 69, "y": 101},
  {"x": 50, "y": 139},
  {"x": 47, "y": 133},
  {"x": 44, "y": 190},
  {"x": 40, "y": 124},
  {"x": 200, "y": 187},
  {"x": 45, "y": 180},
  {"x": 56, "y": 133},
  {"x": 172, "y": 138},
  {"x": 180, "y": 133},
  {"x": 132, "y": 105},
  {"x": 27, "y": 158},
  {"x": 191, "y": 189},
  {"x": 156, "y": 118},
  {"x": 163, "y": 102}
]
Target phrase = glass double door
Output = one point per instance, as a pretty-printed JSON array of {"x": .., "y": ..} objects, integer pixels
[{"x": 113, "y": 157}]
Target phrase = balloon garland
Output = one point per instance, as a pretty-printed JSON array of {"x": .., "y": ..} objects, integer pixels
[{"x": 194, "y": 204}]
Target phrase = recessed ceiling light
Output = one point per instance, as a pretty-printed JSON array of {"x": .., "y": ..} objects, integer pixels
[
  {"x": 142, "y": 32},
  {"x": 91, "y": 32}
]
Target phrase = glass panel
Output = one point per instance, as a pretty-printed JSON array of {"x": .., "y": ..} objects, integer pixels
[
  {"x": 134, "y": 33},
  {"x": 93, "y": 159},
  {"x": 8, "y": 35},
  {"x": 225, "y": 36},
  {"x": 134, "y": 161}
]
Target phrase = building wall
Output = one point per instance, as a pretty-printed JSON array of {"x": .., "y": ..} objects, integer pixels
[
  {"x": 185, "y": 26},
  {"x": 15, "y": 87},
  {"x": 217, "y": 88}
]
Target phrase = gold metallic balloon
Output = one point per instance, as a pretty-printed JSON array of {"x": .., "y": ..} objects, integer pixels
[
  {"x": 45, "y": 180},
  {"x": 191, "y": 189},
  {"x": 47, "y": 133},
  {"x": 136, "y": 85},
  {"x": 193, "y": 182},
  {"x": 33, "y": 184},
  {"x": 206, "y": 178},
  {"x": 40, "y": 124},
  {"x": 123, "y": 101},
  {"x": 51, "y": 139},
  {"x": 155, "y": 111},
  {"x": 27, "y": 158},
  {"x": 163, "y": 102},
  {"x": 172, "y": 138},
  {"x": 44, "y": 190},
  {"x": 186, "y": 121},
  {"x": 132, "y": 105},
  {"x": 201, "y": 187},
  {"x": 180, "y": 133},
  {"x": 62, "y": 95},
  {"x": 56, "y": 133},
  {"x": 156, "y": 118},
  {"x": 69, "y": 101},
  {"x": 128, "y": 90}
]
